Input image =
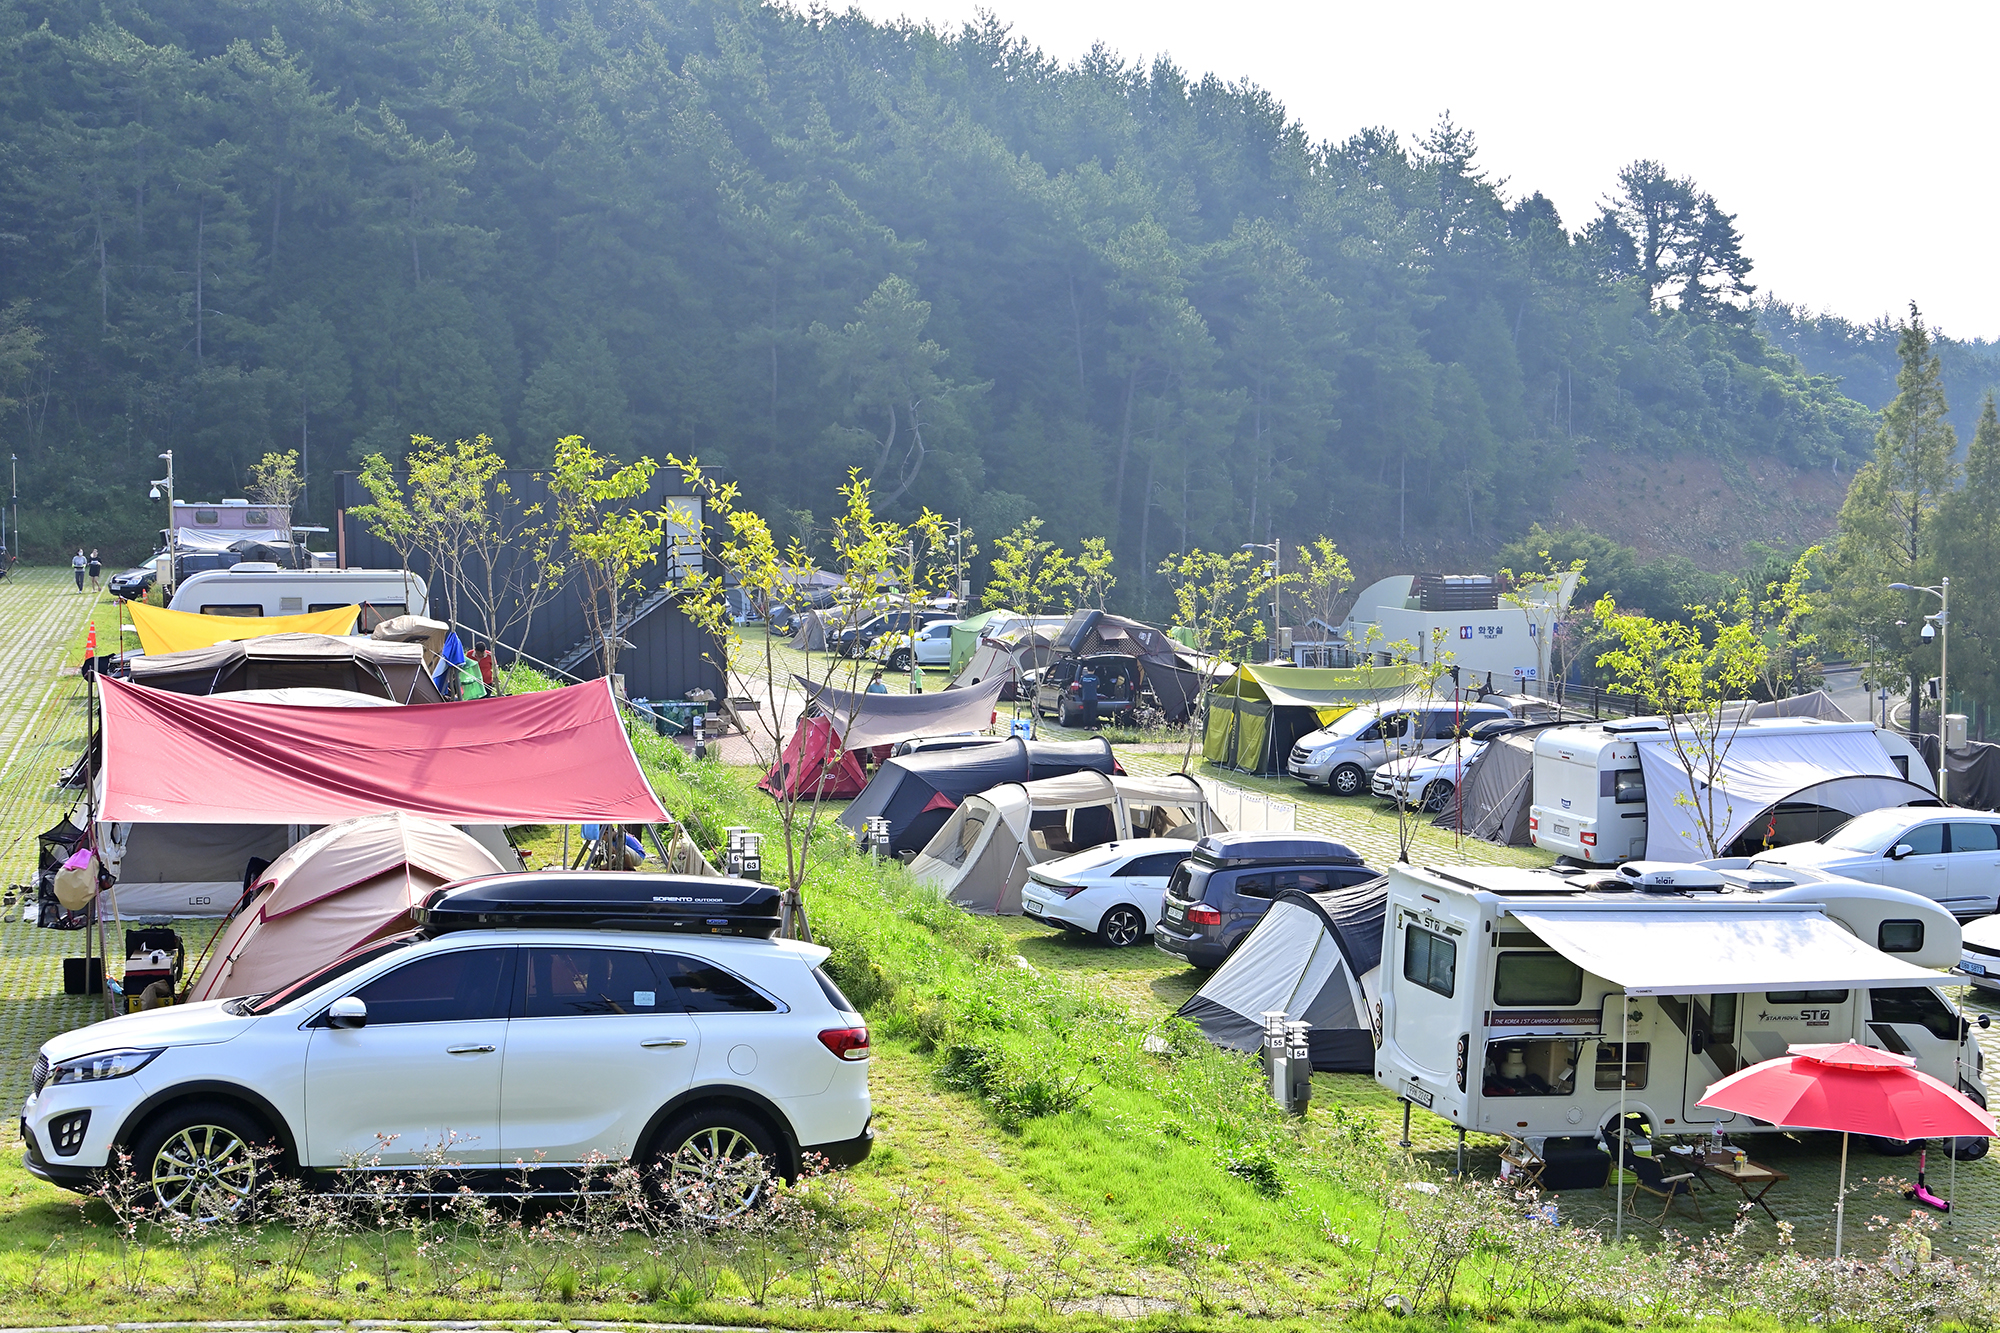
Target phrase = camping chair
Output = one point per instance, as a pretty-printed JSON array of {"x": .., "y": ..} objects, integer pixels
[{"x": 1650, "y": 1175}]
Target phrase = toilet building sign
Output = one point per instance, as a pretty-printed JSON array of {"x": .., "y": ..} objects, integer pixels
[{"x": 1480, "y": 631}]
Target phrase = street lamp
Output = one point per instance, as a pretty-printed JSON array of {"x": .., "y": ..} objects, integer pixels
[
  {"x": 1277, "y": 550},
  {"x": 168, "y": 482},
  {"x": 1943, "y": 621}
]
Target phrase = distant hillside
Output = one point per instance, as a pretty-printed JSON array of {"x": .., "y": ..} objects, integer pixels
[
  {"x": 1862, "y": 357},
  {"x": 1131, "y": 302}
]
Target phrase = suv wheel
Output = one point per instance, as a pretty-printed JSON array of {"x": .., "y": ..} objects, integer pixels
[
  {"x": 1347, "y": 780},
  {"x": 1122, "y": 927},
  {"x": 899, "y": 661},
  {"x": 1437, "y": 795},
  {"x": 1062, "y": 713},
  {"x": 715, "y": 1163},
  {"x": 204, "y": 1161}
]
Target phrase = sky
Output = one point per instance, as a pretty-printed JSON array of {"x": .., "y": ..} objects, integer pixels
[{"x": 1854, "y": 143}]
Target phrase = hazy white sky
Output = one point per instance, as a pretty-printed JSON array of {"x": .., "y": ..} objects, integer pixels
[{"x": 1853, "y": 142}]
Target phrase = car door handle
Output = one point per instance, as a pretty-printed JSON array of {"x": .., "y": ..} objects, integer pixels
[
  {"x": 656, "y": 1042},
  {"x": 468, "y": 1050}
]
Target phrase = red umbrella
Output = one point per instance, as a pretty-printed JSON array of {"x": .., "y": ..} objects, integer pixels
[{"x": 1851, "y": 1088}]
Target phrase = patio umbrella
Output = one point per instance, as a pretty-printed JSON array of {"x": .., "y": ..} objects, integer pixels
[{"x": 1851, "y": 1088}]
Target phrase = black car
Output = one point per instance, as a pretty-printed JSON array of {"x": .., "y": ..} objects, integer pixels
[
  {"x": 1220, "y": 893},
  {"x": 131, "y": 585},
  {"x": 1120, "y": 681},
  {"x": 856, "y": 640}
]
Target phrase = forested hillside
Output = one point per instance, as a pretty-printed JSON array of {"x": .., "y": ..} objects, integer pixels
[
  {"x": 1864, "y": 359},
  {"x": 1136, "y": 305}
]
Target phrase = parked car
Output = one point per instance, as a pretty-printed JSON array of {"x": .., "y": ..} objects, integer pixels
[
  {"x": 1218, "y": 895},
  {"x": 1058, "y": 693},
  {"x": 1979, "y": 953},
  {"x": 1113, "y": 891},
  {"x": 1947, "y": 854},
  {"x": 131, "y": 584},
  {"x": 856, "y": 640},
  {"x": 1342, "y": 756},
  {"x": 784, "y": 616},
  {"x": 932, "y": 646},
  {"x": 499, "y": 1031},
  {"x": 1429, "y": 781}
]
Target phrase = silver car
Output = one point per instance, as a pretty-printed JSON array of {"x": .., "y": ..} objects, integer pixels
[{"x": 1342, "y": 756}]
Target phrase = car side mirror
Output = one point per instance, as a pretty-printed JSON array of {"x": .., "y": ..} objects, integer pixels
[
  {"x": 347, "y": 1012},
  {"x": 1985, "y": 1021},
  {"x": 1900, "y": 850}
]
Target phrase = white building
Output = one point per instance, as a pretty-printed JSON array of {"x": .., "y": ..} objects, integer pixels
[{"x": 1473, "y": 622}]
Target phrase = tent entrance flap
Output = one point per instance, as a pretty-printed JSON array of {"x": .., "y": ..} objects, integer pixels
[{"x": 1719, "y": 952}]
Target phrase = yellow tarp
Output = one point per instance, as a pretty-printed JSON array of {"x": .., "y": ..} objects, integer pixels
[{"x": 164, "y": 631}]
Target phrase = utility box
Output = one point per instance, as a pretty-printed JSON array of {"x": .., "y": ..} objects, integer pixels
[{"x": 1954, "y": 731}]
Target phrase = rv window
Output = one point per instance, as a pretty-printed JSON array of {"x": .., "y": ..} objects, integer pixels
[
  {"x": 1900, "y": 937},
  {"x": 1519, "y": 939},
  {"x": 1721, "y": 1018},
  {"x": 1540, "y": 1067},
  {"x": 1536, "y": 978},
  {"x": 1806, "y": 996},
  {"x": 288, "y": 606},
  {"x": 327, "y": 606},
  {"x": 207, "y": 516},
  {"x": 1636, "y": 1057},
  {"x": 1914, "y": 1004},
  {"x": 255, "y": 518},
  {"x": 374, "y": 613},
  {"x": 1430, "y": 960},
  {"x": 1973, "y": 838},
  {"x": 233, "y": 609},
  {"x": 1628, "y": 787}
]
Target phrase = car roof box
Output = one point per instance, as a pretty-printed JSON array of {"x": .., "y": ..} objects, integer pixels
[
  {"x": 605, "y": 900},
  {"x": 1244, "y": 849}
]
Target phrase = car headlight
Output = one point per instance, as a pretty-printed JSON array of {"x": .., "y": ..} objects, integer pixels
[
  {"x": 1321, "y": 755},
  {"x": 103, "y": 1065}
]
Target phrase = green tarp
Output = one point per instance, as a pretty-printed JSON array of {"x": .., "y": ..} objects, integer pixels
[
  {"x": 965, "y": 637},
  {"x": 1255, "y": 715}
]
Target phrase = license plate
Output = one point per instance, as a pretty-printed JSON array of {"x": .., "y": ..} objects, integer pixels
[
  {"x": 1175, "y": 914},
  {"x": 1421, "y": 1096},
  {"x": 1976, "y": 969},
  {"x": 1031, "y": 904},
  {"x": 1560, "y": 830}
]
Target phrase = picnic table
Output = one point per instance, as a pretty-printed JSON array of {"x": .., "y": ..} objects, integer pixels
[{"x": 1746, "y": 1175}]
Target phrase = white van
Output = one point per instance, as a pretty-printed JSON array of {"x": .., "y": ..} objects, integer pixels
[
  {"x": 259, "y": 588},
  {"x": 1590, "y": 799},
  {"x": 1345, "y": 754},
  {"x": 1534, "y": 1002}
]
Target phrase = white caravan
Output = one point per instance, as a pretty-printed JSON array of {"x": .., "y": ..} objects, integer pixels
[
  {"x": 1533, "y": 1002},
  {"x": 260, "y": 588},
  {"x": 1610, "y": 792}
]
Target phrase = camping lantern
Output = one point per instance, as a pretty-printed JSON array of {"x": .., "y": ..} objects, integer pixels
[
  {"x": 875, "y": 836},
  {"x": 733, "y": 866},
  {"x": 1277, "y": 1055},
  {"x": 750, "y": 860},
  {"x": 1299, "y": 1068}
]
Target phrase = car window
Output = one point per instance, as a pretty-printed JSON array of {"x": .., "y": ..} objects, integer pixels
[
  {"x": 703, "y": 988},
  {"x": 1970, "y": 837},
  {"x": 454, "y": 987},
  {"x": 1299, "y": 881},
  {"x": 1253, "y": 886},
  {"x": 1157, "y": 866},
  {"x": 1443, "y": 724},
  {"x": 581, "y": 982},
  {"x": 1923, "y": 840}
]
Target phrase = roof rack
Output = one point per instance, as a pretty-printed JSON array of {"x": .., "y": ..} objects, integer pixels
[{"x": 605, "y": 900}]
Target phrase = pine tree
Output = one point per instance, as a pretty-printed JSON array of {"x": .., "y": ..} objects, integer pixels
[{"x": 1968, "y": 546}]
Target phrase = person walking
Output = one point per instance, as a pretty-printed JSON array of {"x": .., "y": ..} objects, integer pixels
[
  {"x": 876, "y": 685},
  {"x": 78, "y": 565},
  {"x": 96, "y": 568}
]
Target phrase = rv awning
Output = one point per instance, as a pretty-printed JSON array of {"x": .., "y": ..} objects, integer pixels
[
  {"x": 556, "y": 757},
  {"x": 1710, "y": 953},
  {"x": 163, "y": 631},
  {"x": 867, "y": 720},
  {"x": 1757, "y": 772}
]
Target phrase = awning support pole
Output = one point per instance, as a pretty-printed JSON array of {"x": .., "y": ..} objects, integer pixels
[{"x": 1618, "y": 1154}]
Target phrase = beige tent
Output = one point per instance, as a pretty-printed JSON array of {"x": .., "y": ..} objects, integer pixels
[
  {"x": 415, "y": 629},
  {"x": 980, "y": 858},
  {"x": 335, "y": 889}
]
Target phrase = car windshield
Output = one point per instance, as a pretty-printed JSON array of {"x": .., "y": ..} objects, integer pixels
[
  {"x": 272, "y": 1000},
  {"x": 1868, "y": 833},
  {"x": 1349, "y": 725}
]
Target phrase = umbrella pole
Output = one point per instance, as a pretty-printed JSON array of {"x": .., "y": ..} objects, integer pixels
[{"x": 1840, "y": 1199}]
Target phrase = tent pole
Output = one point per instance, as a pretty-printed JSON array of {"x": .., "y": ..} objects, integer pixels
[
  {"x": 1840, "y": 1199},
  {"x": 1618, "y": 1157},
  {"x": 565, "y": 850}
]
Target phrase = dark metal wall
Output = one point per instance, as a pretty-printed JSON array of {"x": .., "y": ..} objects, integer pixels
[{"x": 670, "y": 653}]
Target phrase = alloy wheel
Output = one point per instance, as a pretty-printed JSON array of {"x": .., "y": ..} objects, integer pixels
[
  {"x": 1122, "y": 927},
  {"x": 204, "y": 1172},
  {"x": 717, "y": 1173}
]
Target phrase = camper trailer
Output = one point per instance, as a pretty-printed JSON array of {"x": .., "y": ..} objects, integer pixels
[
  {"x": 1538, "y": 1002},
  {"x": 259, "y": 588},
  {"x": 1611, "y": 792}
]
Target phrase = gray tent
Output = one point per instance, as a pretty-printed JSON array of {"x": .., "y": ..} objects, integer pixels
[
  {"x": 1314, "y": 956},
  {"x": 811, "y": 628},
  {"x": 1497, "y": 789},
  {"x": 284, "y": 661}
]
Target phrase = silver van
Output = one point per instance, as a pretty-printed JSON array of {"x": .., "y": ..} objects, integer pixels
[
  {"x": 259, "y": 588},
  {"x": 1343, "y": 756}
]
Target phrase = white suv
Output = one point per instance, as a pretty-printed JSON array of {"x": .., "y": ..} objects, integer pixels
[{"x": 498, "y": 1034}]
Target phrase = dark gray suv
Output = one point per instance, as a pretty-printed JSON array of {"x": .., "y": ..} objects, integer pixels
[{"x": 1220, "y": 893}]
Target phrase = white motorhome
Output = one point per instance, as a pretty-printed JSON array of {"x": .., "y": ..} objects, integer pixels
[
  {"x": 1610, "y": 792},
  {"x": 260, "y": 588},
  {"x": 1533, "y": 1002}
]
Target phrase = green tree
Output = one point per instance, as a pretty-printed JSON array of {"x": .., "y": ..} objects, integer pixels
[
  {"x": 1324, "y": 576},
  {"x": 275, "y": 480},
  {"x": 1214, "y": 594},
  {"x": 1030, "y": 574},
  {"x": 1968, "y": 545},
  {"x": 575, "y": 390},
  {"x": 608, "y": 538}
]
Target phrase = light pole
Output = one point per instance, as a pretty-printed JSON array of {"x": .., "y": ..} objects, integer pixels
[
  {"x": 14, "y": 480},
  {"x": 1943, "y": 620},
  {"x": 1277, "y": 550}
]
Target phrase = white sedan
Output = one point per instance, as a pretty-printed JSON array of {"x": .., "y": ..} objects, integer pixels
[
  {"x": 1113, "y": 891},
  {"x": 1426, "y": 780},
  {"x": 1979, "y": 948}
]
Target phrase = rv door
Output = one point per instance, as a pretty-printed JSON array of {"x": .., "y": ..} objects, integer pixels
[{"x": 1708, "y": 1027}]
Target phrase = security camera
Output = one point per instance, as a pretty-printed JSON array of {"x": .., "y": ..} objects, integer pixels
[
  {"x": 1928, "y": 632},
  {"x": 154, "y": 494}
]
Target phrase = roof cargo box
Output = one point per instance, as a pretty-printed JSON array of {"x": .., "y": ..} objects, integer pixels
[
  {"x": 605, "y": 900},
  {"x": 1242, "y": 849}
]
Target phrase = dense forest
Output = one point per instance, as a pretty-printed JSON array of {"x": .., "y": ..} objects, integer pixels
[
  {"x": 1135, "y": 304},
  {"x": 1865, "y": 360}
]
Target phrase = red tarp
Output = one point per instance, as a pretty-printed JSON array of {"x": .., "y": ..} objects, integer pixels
[
  {"x": 557, "y": 757},
  {"x": 814, "y": 757}
]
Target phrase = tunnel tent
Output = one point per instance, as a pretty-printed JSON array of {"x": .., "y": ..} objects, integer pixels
[
  {"x": 1257, "y": 712},
  {"x": 918, "y": 792},
  {"x": 1314, "y": 957},
  {"x": 979, "y": 858},
  {"x": 810, "y": 630}
]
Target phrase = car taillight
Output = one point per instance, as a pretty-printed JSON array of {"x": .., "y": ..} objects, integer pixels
[
  {"x": 1201, "y": 914},
  {"x": 1065, "y": 890},
  {"x": 1588, "y": 839},
  {"x": 846, "y": 1043},
  {"x": 1534, "y": 822}
]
